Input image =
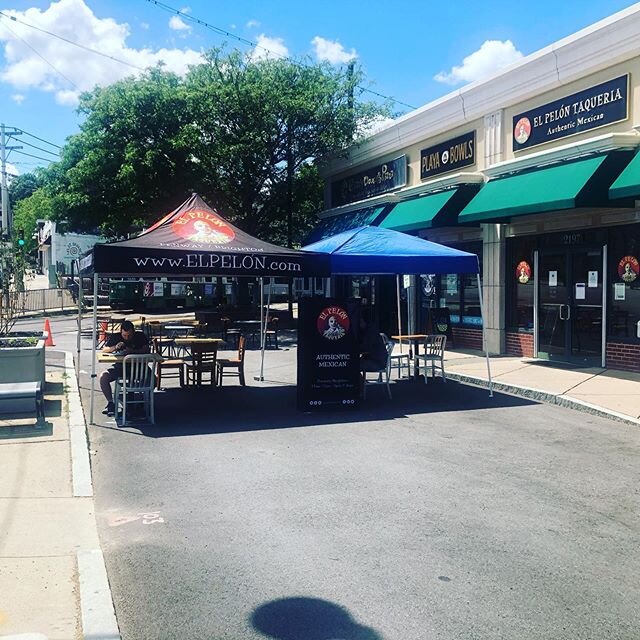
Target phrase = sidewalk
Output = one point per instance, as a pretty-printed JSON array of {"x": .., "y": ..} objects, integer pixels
[
  {"x": 605, "y": 392},
  {"x": 53, "y": 583}
]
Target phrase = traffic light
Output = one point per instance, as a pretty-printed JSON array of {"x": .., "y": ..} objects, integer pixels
[{"x": 21, "y": 238}]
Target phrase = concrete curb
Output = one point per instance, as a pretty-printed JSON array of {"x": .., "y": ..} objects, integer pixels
[
  {"x": 80, "y": 465},
  {"x": 544, "y": 396},
  {"x": 96, "y": 603},
  {"x": 98, "y": 616}
]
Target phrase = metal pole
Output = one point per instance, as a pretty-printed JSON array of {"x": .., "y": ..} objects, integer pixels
[
  {"x": 264, "y": 333},
  {"x": 5, "y": 199},
  {"x": 604, "y": 305},
  {"x": 399, "y": 310},
  {"x": 93, "y": 345},
  {"x": 484, "y": 336},
  {"x": 262, "y": 323},
  {"x": 78, "y": 341},
  {"x": 536, "y": 315}
]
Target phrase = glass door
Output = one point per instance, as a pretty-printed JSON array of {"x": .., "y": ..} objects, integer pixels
[
  {"x": 570, "y": 306},
  {"x": 553, "y": 327}
]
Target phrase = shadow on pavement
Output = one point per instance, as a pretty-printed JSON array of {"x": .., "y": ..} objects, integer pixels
[
  {"x": 181, "y": 412},
  {"x": 308, "y": 619}
]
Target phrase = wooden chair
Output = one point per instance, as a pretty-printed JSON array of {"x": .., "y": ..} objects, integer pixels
[
  {"x": 271, "y": 333},
  {"x": 136, "y": 385},
  {"x": 433, "y": 355},
  {"x": 236, "y": 365},
  {"x": 203, "y": 362},
  {"x": 168, "y": 362}
]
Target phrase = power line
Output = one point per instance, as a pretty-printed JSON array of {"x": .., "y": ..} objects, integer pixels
[
  {"x": 218, "y": 30},
  {"x": 31, "y": 135},
  {"x": 71, "y": 42},
  {"x": 37, "y": 52},
  {"x": 53, "y": 153},
  {"x": 24, "y": 153}
]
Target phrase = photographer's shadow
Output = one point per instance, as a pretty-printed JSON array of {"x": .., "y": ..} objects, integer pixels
[{"x": 308, "y": 619}]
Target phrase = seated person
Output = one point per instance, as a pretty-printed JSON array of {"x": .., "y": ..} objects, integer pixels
[
  {"x": 372, "y": 348},
  {"x": 127, "y": 342}
]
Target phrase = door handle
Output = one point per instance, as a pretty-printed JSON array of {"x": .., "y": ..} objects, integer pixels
[{"x": 560, "y": 309}]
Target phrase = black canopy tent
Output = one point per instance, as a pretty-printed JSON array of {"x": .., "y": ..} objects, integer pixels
[{"x": 195, "y": 240}]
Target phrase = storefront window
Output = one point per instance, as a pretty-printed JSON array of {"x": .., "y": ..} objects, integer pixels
[
  {"x": 624, "y": 282},
  {"x": 520, "y": 283},
  {"x": 459, "y": 292}
]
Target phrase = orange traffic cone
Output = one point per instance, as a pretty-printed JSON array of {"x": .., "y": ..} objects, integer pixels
[{"x": 49, "y": 341}]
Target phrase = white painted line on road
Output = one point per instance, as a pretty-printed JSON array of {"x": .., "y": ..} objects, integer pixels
[
  {"x": 98, "y": 616},
  {"x": 80, "y": 465},
  {"x": 25, "y": 636}
]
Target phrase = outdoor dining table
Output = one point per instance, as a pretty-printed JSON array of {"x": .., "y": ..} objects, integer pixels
[
  {"x": 414, "y": 351},
  {"x": 174, "y": 330},
  {"x": 250, "y": 327}
]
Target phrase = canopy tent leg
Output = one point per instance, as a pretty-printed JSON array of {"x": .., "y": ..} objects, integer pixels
[
  {"x": 263, "y": 322},
  {"x": 484, "y": 336},
  {"x": 93, "y": 346},
  {"x": 399, "y": 310},
  {"x": 263, "y": 331}
]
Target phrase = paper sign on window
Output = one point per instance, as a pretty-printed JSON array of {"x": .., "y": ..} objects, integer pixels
[
  {"x": 593, "y": 279},
  {"x": 553, "y": 278},
  {"x": 581, "y": 291},
  {"x": 619, "y": 291}
]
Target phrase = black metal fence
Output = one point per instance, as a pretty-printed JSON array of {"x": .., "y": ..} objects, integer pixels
[{"x": 44, "y": 300}]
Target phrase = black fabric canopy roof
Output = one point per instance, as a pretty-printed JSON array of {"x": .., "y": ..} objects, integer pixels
[{"x": 196, "y": 240}]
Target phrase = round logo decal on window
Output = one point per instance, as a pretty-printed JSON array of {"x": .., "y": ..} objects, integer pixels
[
  {"x": 628, "y": 268},
  {"x": 333, "y": 323},
  {"x": 445, "y": 156},
  {"x": 522, "y": 130},
  {"x": 523, "y": 272},
  {"x": 203, "y": 227}
]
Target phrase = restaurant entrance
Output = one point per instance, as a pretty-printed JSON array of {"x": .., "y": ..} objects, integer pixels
[{"x": 570, "y": 286}]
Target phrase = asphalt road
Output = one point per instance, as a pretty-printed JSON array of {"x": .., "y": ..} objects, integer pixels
[{"x": 442, "y": 514}]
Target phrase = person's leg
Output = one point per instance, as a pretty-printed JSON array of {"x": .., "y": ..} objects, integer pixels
[{"x": 106, "y": 379}]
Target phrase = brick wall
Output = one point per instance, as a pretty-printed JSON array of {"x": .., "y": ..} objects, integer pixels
[
  {"x": 467, "y": 338},
  {"x": 623, "y": 356},
  {"x": 519, "y": 344}
]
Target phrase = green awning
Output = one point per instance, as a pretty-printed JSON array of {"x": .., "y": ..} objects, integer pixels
[
  {"x": 547, "y": 189},
  {"x": 417, "y": 213},
  {"x": 627, "y": 185},
  {"x": 337, "y": 224}
]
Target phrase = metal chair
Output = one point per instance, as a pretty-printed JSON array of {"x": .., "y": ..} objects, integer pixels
[
  {"x": 136, "y": 385},
  {"x": 433, "y": 355},
  {"x": 383, "y": 374},
  {"x": 397, "y": 359},
  {"x": 236, "y": 365},
  {"x": 203, "y": 361}
]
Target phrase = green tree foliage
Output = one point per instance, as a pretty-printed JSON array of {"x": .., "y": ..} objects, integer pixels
[{"x": 247, "y": 135}]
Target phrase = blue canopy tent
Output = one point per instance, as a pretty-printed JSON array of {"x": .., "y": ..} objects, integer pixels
[{"x": 378, "y": 251}]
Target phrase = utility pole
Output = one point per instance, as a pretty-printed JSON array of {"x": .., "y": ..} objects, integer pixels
[{"x": 6, "y": 217}]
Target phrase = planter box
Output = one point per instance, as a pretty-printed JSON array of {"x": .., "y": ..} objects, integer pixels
[{"x": 23, "y": 364}]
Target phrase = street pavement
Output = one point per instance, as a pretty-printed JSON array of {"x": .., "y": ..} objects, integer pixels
[{"x": 442, "y": 513}]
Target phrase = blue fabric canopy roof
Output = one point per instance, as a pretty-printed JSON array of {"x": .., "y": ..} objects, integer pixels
[{"x": 373, "y": 250}]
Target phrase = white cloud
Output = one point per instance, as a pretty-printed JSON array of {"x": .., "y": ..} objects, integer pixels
[
  {"x": 18, "y": 98},
  {"x": 178, "y": 24},
  {"x": 252, "y": 24},
  {"x": 269, "y": 48},
  {"x": 12, "y": 169},
  {"x": 490, "y": 57},
  {"x": 74, "y": 20},
  {"x": 145, "y": 26},
  {"x": 332, "y": 51}
]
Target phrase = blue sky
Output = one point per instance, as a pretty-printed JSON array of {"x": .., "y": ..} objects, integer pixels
[{"x": 413, "y": 51}]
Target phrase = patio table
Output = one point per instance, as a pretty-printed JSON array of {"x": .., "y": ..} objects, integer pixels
[{"x": 414, "y": 340}]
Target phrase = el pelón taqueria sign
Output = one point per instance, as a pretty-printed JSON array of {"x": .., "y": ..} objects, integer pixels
[{"x": 595, "y": 107}]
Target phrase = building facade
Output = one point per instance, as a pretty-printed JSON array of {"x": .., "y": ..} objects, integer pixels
[{"x": 536, "y": 170}]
